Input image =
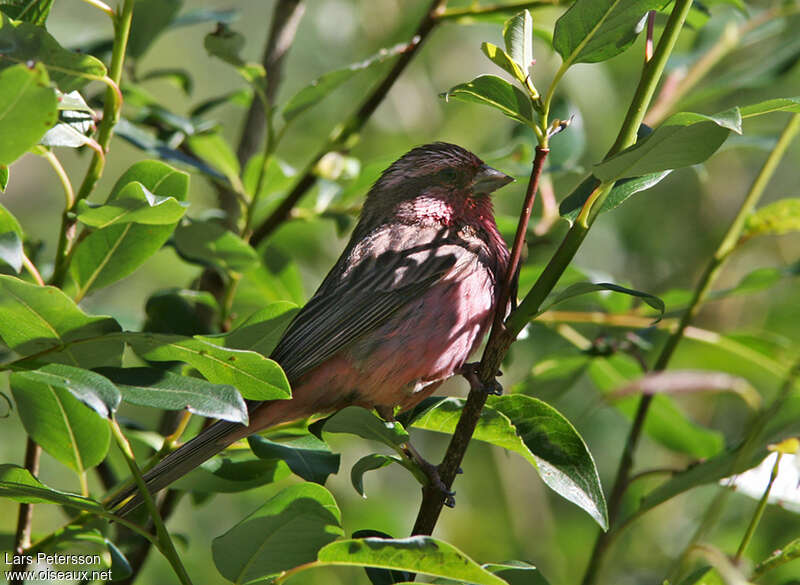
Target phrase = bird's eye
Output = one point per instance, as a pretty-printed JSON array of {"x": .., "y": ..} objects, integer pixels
[{"x": 448, "y": 174}]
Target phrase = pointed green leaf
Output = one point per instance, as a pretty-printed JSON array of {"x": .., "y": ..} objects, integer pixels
[
  {"x": 318, "y": 89},
  {"x": 503, "y": 60},
  {"x": 495, "y": 92},
  {"x": 582, "y": 288},
  {"x": 233, "y": 471},
  {"x": 34, "y": 319},
  {"x": 255, "y": 376},
  {"x": 596, "y": 30},
  {"x": 162, "y": 389},
  {"x": 418, "y": 554},
  {"x": 33, "y": 11},
  {"x": 210, "y": 243},
  {"x": 215, "y": 150},
  {"x": 95, "y": 391},
  {"x": 261, "y": 331},
  {"x": 789, "y": 104},
  {"x": 683, "y": 139},
  {"x": 287, "y": 531},
  {"x": 308, "y": 458},
  {"x": 369, "y": 463},
  {"x": 157, "y": 177},
  {"x": 28, "y": 108},
  {"x": 571, "y": 206},
  {"x": 518, "y": 37},
  {"x": 361, "y": 422},
  {"x": 134, "y": 204},
  {"x": 64, "y": 427},
  {"x": 18, "y": 484},
  {"x": 22, "y": 42}
]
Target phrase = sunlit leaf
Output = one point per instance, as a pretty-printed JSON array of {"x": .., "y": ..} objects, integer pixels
[
  {"x": 28, "y": 108},
  {"x": 777, "y": 218},
  {"x": 495, "y": 92},
  {"x": 95, "y": 391}
]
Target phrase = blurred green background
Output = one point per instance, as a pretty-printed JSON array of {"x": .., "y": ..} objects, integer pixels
[{"x": 659, "y": 240}]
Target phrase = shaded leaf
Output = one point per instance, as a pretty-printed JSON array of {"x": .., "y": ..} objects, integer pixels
[
  {"x": 21, "y": 42},
  {"x": 683, "y": 139},
  {"x": 361, "y": 422},
  {"x": 790, "y": 104},
  {"x": 214, "y": 149},
  {"x": 255, "y": 376},
  {"x": 34, "y": 319},
  {"x": 180, "y": 77},
  {"x": 571, "y": 206},
  {"x": 162, "y": 389},
  {"x": 94, "y": 390},
  {"x": 27, "y": 109},
  {"x": 64, "y": 427},
  {"x": 225, "y": 44},
  {"x": 150, "y": 19},
  {"x": 369, "y": 463},
  {"x": 287, "y": 531},
  {"x": 261, "y": 331},
  {"x": 33, "y": 11},
  {"x": 495, "y": 92},
  {"x": 418, "y": 554},
  {"x": 181, "y": 311},
  {"x": 233, "y": 472},
  {"x": 596, "y": 30},
  {"x": 778, "y": 218},
  {"x": 690, "y": 381},
  {"x": 210, "y": 243},
  {"x": 318, "y": 89},
  {"x": 310, "y": 459}
]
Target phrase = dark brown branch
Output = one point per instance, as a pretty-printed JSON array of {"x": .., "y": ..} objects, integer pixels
[
  {"x": 22, "y": 540},
  {"x": 496, "y": 348},
  {"x": 343, "y": 133},
  {"x": 285, "y": 20}
]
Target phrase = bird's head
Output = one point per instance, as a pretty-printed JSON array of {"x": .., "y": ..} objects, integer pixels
[{"x": 438, "y": 182}]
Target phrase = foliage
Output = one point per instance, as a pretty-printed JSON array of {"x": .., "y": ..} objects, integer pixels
[{"x": 149, "y": 377}]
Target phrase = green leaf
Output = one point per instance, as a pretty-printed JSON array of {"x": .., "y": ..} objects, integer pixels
[
  {"x": 150, "y": 19},
  {"x": 495, "y": 92},
  {"x": 361, "y": 422},
  {"x": 28, "y": 108},
  {"x": 34, "y": 319},
  {"x": 95, "y": 391},
  {"x": 181, "y": 311},
  {"x": 277, "y": 278},
  {"x": 683, "y": 139},
  {"x": 33, "y": 11},
  {"x": 134, "y": 204},
  {"x": 255, "y": 376},
  {"x": 278, "y": 177},
  {"x": 518, "y": 37},
  {"x": 18, "y": 484},
  {"x": 3, "y": 173},
  {"x": 571, "y": 206},
  {"x": 9, "y": 223},
  {"x": 157, "y": 177},
  {"x": 64, "y": 427},
  {"x": 418, "y": 554},
  {"x": 233, "y": 472},
  {"x": 369, "y": 463},
  {"x": 167, "y": 391},
  {"x": 225, "y": 44},
  {"x": 112, "y": 253},
  {"x": 22, "y": 42},
  {"x": 596, "y": 30},
  {"x": 210, "y": 243},
  {"x": 542, "y": 436},
  {"x": 308, "y": 458},
  {"x": 179, "y": 77},
  {"x": 11, "y": 251},
  {"x": 503, "y": 60},
  {"x": 261, "y": 331},
  {"x": 287, "y": 531},
  {"x": 214, "y": 149},
  {"x": 582, "y": 288},
  {"x": 665, "y": 423},
  {"x": 783, "y": 555},
  {"x": 318, "y": 89},
  {"x": 778, "y": 218},
  {"x": 790, "y": 104}
]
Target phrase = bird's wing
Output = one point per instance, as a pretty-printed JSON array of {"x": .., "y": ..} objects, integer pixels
[{"x": 346, "y": 308}]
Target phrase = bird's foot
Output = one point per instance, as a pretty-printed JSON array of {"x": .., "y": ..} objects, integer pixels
[
  {"x": 431, "y": 472},
  {"x": 470, "y": 372}
]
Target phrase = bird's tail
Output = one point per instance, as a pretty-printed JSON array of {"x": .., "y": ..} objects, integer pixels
[{"x": 180, "y": 462}]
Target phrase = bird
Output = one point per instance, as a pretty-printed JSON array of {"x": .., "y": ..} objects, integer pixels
[{"x": 409, "y": 300}]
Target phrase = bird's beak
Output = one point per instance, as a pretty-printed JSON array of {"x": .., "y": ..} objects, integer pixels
[{"x": 488, "y": 179}]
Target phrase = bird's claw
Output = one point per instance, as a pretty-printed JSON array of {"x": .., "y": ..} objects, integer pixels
[
  {"x": 431, "y": 472},
  {"x": 470, "y": 372}
]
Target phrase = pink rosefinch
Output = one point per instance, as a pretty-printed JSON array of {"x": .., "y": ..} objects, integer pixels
[{"x": 410, "y": 298}]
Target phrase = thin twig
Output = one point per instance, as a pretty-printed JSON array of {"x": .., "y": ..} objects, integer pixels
[
  {"x": 759, "y": 512},
  {"x": 22, "y": 540},
  {"x": 342, "y": 133},
  {"x": 496, "y": 348},
  {"x": 489, "y": 9}
]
